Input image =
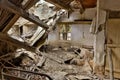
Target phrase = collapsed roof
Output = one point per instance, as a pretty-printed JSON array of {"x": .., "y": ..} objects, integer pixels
[{"x": 11, "y": 10}]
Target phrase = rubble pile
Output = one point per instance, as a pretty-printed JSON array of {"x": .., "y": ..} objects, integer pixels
[
  {"x": 22, "y": 65},
  {"x": 51, "y": 64},
  {"x": 61, "y": 63}
]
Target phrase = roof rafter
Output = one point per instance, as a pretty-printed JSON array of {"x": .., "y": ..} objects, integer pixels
[
  {"x": 19, "y": 11},
  {"x": 59, "y": 4}
]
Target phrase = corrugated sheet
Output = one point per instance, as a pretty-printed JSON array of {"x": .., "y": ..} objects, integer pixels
[{"x": 113, "y": 37}]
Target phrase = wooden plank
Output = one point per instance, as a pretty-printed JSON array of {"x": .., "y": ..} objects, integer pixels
[
  {"x": 15, "y": 18},
  {"x": 26, "y": 71},
  {"x": 29, "y": 4},
  {"x": 115, "y": 70},
  {"x": 10, "y": 24},
  {"x": 113, "y": 42},
  {"x": 110, "y": 63},
  {"x": 12, "y": 77},
  {"x": 59, "y": 4},
  {"x": 6, "y": 38},
  {"x": 17, "y": 10},
  {"x": 113, "y": 45},
  {"x": 76, "y": 22}
]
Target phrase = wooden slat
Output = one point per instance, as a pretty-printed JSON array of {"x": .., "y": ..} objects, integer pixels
[
  {"x": 113, "y": 45},
  {"x": 59, "y": 4},
  {"x": 13, "y": 8},
  {"x": 113, "y": 42},
  {"x": 12, "y": 77},
  {"x": 6, "y": 38},
  {"x": 15, "y": 18},
  {"x": 76, "y": 22},
  {"x": 10, "y": 24}
]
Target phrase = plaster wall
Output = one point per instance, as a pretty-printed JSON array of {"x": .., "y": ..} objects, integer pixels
[{"x": 81, "y": 35}]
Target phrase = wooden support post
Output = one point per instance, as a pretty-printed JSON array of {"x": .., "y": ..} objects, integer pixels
[
  {"x": 5, "y": 4},
  {"x": 110, "y": 63},
  {"x": 7, "y": 27}
]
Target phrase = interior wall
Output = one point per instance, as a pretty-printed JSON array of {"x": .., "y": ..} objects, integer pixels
[
  {"x": 81, "y": 35},
  {"x": 80, "y": 32},
  {"x": 89, "y": 14},
  {"x": 53, "y": 37}
]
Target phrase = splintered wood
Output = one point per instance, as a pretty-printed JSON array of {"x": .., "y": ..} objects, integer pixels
[
  {"x": 55, "y": 64},
  {"x": 22, "y": 65}
]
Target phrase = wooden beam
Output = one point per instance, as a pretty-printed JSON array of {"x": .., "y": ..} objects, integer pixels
[
  {"x": 29, "y": 4},
  {"x": 113, "y": 45},
  {"x": 59, "y": 4},
  {"x": 11, "y": 76},
  {"x": 6, "y": 38},
  {"x": 76, "y": 22},
  {"x": 17, "y": 10},
  {"x": 31, "y": 72},
  {"x": 10, "y": 24},
  {"x": 16, "y": 17},
  {"x": 114, "y": 14}
]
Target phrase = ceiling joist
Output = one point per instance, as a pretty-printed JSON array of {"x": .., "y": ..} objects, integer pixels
[
  {"x": 5, "y": 4},
  {"x": 59, "y": 4},
  {"x": 28, "y": 4},
  {"x": 6, "y": 38}
]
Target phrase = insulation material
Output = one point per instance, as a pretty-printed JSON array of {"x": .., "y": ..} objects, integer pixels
[
  {"x": 43, "y": 11},
  {"x": 113, "y": 38}
]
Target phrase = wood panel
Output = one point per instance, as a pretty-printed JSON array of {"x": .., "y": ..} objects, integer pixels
[{"x": 113, "y": 43}]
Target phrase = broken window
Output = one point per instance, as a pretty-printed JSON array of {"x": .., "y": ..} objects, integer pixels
[{"x": 64, "y": 32}]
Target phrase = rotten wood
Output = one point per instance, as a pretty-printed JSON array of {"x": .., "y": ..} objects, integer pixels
[
  {"x": 16, "y": 17},
  {"x": 17, "y": 10},
  {"x": 76, "y": 22},
  {"x": 88, "y": 3},
  {"x": 12, "y": 77},
  {"x": 29, "y": 4},
  {"x": 59, "y": 4},
  {"x": 110, "y": 63},
  {"x": 36, "y": 73},
  {"x": 7, "y": 38},
  {"x": 32, "y": 68},
  {"x": 115, "y": 70},
  {"x": 113, "y": 45},
  {"x": 54, "y": 58},
  {"x": 10, "y": 23},
  {"x": 41, "y": 62}
]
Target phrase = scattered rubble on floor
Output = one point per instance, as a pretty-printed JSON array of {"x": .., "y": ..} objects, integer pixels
[{"x": 50, "y": 64}]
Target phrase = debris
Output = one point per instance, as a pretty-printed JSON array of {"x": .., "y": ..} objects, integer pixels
[
  {"x": 77, "y": 61},
  {"x": 52, "y": 57},
  {"x": 26, "y": 71},
  {"x": 41, "y": 62},
  {"x": 77, "y": 76}
]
